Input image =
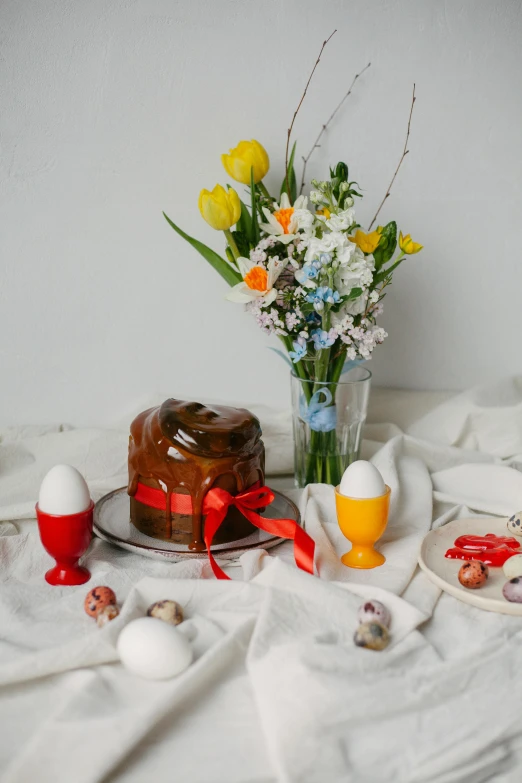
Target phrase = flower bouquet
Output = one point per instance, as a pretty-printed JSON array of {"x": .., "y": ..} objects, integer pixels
[{"x": 308, "y": 273}]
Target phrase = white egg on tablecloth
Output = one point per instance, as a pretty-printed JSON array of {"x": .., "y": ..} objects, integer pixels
[
  {"x": 154, "y": 649},
  {"x": 362, "y": 480},
  {"x": 64, "y": 491}
]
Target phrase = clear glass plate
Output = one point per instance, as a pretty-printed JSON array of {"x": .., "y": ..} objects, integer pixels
[{"x": 112, "y": 523}]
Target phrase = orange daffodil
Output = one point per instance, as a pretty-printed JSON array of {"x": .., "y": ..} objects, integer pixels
[
  {"x": 407, "y": 245},
  {"x": 286, "y": 219},
  {"x": 257, "y": 281}
]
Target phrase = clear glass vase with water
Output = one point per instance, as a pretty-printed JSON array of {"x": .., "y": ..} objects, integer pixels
[{"x": 328, "y": 418}]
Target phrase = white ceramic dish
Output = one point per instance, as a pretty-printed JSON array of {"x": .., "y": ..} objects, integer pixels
[
  {"x": 443, "y": 572},
  {"x": 112, "y": 523}
]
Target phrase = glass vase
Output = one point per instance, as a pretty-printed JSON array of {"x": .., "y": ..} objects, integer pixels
[{"x": 327, "y": 423}]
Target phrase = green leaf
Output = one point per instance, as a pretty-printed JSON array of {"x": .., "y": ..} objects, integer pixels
[
  {"x": 291, "y": 178},
  {"x": 354, "y": 293},
  {"x": 387, "y": 245},
  {"x": 341, "y": 171},
  {"x": 242, "y": 242},
  {"x": 232, "y": 276},
  {"x": 244, "y": 224},
  {"x": 254, "y": 231},
  {"x": 383, "y": 274}
]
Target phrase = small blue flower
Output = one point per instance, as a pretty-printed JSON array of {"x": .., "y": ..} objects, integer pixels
[
  {"x": 325, "y": 258},
  {"x": 332, "y": 297},
  {"x": 315, "y": 297},
  {"x": 299, "y": 350},
  {"x": 322, "y": 339},
  {"x": 308, "y": 272}
]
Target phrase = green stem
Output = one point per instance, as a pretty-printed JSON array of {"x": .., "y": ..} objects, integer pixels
[
  {"x": 264, "y": 191},
  {"x": 232, "y": 243}
]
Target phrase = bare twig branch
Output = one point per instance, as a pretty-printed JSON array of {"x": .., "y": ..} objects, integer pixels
[
  {"x": 289, "y": 132},
  {"x": 325, "y": 126},
  {"x": 404, "y": 153}
]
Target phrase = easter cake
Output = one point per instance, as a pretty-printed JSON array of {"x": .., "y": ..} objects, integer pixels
[{"x": 178, "y": 451}]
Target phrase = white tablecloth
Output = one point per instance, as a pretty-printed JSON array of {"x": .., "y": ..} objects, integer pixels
[{"x": 278, "y": 691}]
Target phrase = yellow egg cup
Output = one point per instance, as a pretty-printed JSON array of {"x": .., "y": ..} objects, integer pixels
[{"x": 362, "y": 521}]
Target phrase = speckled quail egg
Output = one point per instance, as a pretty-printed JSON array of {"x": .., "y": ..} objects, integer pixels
[
  {"x": 514, "y": 524},
  {"x": 107, "y": 614},
  {"x": 512, "y": 590},
  {"x": 373, "y": 636},
  {"x": 97, "y": 599},
  {"x": 473, "y": 574},
  {"x": 168, "y": 611},
  {"x": 374, "y": 611}
]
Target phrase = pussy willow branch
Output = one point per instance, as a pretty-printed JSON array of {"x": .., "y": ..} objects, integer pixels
[
  {"x": 325, "y": 126},
  {"x": 404, "y": 153},
  {"x": 289, "y": 132}
]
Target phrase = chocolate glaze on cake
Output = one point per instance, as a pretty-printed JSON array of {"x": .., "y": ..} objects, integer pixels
[{"x": 188, "y": 448}]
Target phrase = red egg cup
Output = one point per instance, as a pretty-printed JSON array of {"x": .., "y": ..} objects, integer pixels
[{"x": 66, "y": 538}]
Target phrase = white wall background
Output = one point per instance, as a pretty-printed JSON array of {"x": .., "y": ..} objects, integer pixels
[{"x": 113, "y": 110}]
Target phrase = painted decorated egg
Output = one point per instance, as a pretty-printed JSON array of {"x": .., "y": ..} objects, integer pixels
[
  {"x": 512, "y": 590},
  {"x": 107, "y": 614},
  {"x": 168, "y": 611},
  {"x": 513, "y": 567},
  {"x": 97, "y": 599},
  {"x": 374, "y": 611},
  {"x": 153, "y": 649},
  {"x": 473, "y": 574},
  {"x": 373, "y": 636},
  {"x": 514, "y": 524}
]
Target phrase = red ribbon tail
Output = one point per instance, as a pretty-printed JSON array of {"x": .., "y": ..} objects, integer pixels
[
  {"x": 213, "y": 522},
  {"x": 304, "y": 545}
]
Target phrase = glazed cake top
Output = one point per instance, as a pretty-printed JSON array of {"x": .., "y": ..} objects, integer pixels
[{"x": 211, "y": 431}]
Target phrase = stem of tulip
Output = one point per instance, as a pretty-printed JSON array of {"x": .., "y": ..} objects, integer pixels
[{"x": 232, "y": 243}]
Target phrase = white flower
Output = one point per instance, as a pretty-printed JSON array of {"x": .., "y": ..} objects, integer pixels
[
  {"x": 329, "y": 242},
  {"x": 283, "y": 222},
  {"x": 304, "y": 219},
  {"x": 257, "y": 281},
  {"x": 342, "y": 221},
  {"x": 355, "y": 306},
  {"x": 357, "y": 272},
  {"x": 346, "y": 253}
]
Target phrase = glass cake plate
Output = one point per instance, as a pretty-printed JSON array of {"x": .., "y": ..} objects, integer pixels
[{"x": 112, "y": 523}]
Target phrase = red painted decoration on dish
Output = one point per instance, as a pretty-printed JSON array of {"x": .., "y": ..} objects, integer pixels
[{"x": 490, "y": 549}]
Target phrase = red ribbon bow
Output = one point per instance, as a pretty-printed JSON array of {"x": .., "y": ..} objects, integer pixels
[
  {"x": 218, "y": 501},
  {"x": 215, "y": 507}
]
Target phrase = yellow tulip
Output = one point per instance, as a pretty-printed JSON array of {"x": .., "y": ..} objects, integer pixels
[
  {"x": 247, "y": 155},
  {"x": 407, "y": 245},
  {"x": 219, "y": 207},
  {"x": 366, "y": 242}
]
